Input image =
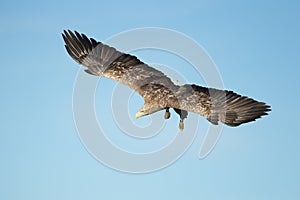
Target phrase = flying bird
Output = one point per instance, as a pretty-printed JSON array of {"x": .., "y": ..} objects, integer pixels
[{"x": 159, "y": 91}]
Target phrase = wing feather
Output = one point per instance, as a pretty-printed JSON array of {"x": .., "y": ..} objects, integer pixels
[
  {"x": 103, "y": 60},
  {"x": 218, "y": 105}
]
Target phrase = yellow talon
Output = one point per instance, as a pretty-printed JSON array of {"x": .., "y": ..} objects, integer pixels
[
  {"x": 167, "y": 115},
  {"x": 181, "y": 125}
]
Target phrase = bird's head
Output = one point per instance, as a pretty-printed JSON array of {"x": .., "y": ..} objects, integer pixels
[
  {"x": 147, "y": 109},
  {"x": 140, "y": 114}
]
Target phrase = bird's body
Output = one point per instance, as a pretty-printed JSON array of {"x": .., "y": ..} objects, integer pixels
[{"x": 158, "y": 91}]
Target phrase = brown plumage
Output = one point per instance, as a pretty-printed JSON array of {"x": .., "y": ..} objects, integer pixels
[{"x": 158, "y": 91}]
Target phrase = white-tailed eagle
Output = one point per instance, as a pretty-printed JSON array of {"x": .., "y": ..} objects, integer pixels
[{"x": 158, "y": 91}]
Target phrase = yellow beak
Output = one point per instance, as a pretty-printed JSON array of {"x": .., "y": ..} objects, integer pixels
[{"x": 137, "y": 115}]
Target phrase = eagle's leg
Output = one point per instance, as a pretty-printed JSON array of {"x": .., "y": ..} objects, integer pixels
[
  {"x": 181, "y": 124},
  {"x": 167, "y": 113},
  {"x": 183, "y": 114}
]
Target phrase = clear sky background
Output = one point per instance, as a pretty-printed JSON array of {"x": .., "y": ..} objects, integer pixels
[{"x": 255, "y": 45}]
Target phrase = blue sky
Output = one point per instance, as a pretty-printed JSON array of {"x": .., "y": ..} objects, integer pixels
[{"x": 256, "y": 47}]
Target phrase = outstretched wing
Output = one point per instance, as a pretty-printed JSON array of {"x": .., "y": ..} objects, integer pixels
[
  {"x": 215, "y": 105},
  {"x": 218, "y": 105},
  {"x": 103, "y": 60}
]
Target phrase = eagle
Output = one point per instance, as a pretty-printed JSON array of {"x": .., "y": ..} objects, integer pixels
[{"x": 159, "y": 91}]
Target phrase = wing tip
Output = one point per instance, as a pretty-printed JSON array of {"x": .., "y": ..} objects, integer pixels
[{"x": 77, "y": 45}]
